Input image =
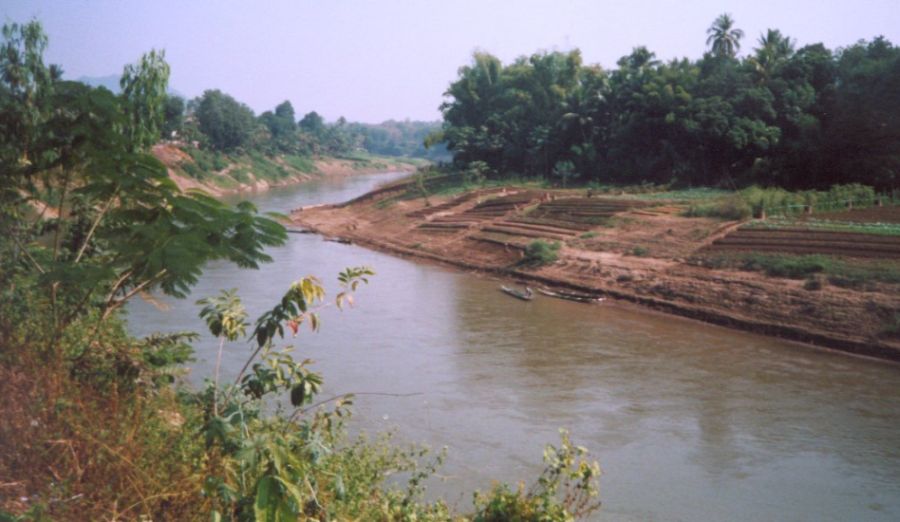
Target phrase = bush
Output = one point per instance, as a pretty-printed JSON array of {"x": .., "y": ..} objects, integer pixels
[
  {"x": 791, "y": 267},
  {"x": 733, "y": 208},
  {"x": 540, "y": 253}
]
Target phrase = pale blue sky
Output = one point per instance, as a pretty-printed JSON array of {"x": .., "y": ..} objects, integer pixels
[{"x": 374, "y": 60}]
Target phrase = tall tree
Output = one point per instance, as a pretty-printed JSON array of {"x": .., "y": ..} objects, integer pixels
[
  {"x": 724, "y": 39},
  {"x": 143, "y": 98},
  {"x": 227, "y": 123}
]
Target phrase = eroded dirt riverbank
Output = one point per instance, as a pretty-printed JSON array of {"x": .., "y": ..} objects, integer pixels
[{"x": 640, "y": 255}]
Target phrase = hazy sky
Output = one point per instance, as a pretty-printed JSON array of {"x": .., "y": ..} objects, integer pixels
[{"x": 380, "y": 59}]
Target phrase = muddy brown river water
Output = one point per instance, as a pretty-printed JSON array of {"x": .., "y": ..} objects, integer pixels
[{"x": 688, "y": 421}]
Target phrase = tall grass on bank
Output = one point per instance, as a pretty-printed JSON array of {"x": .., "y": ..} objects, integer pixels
[{"x": 772, "y": 201}]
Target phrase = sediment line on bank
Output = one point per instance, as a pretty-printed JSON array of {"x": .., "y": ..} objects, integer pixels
[{"x": 774, "y": 304}]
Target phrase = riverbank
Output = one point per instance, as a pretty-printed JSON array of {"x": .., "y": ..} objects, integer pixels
[
  {"x": 227, "y": 175},
  {"x": 633, "y": 250}
]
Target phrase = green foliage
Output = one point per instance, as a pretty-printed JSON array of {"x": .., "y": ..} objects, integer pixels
[
  {"x": 782, "y": 116},
  {"x": 144, "y": 99},
  {"x": 173, "y": 117},
  {"x": 539, "y": 253},
  {"x": 476, "y": 173},
  {"x": 639, "y": 251},
  {"x": 93, "y": 416},
  {"x": 566, "y": 473},
  {"x": 724, "y": 39},
  {"x": 857, "y": 275},
  {"x": 792, "y": 267},
  {"x": 732, "y": 207},
  {"x": 227, "y": 123},
  {"x": 883, "y": 229},
  {"x": 301, "y": 163},
  {"x": 400, "y": 138},
  {"x": 125, "y": 227}
]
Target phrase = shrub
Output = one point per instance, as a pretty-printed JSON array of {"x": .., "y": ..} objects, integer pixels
[
  {"x": 733, "y": 208},
  {"x": 640, "y": 251},
  {"x": 540, "y": 253},
  {"x": 791, "y": 267}
]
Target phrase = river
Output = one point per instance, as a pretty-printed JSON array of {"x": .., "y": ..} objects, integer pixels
[{"x": 689, "y": 421}]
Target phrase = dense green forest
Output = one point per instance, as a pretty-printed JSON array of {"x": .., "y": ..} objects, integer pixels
[
  {"x": 216, "y": 121},
  {"x": 796, "y": 117}
]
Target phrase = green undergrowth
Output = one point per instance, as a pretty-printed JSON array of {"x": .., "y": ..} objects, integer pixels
[
  {"x": 539, "y": 253},
  {"x": 773, "y": 201},
  {"x": 859, "y": 275},
  {"x": 882, "y": 229},
  {"x": 231, "y": 170},
  {"x": 98, "y": 426}
]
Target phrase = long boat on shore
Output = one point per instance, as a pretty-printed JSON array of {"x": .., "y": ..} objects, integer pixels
[
  {"x": 571, "y": 296},
  {"x": 527, "y": 295}
]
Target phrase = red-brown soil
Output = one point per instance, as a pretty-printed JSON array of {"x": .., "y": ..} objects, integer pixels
[{"x": 616, "y": 247}]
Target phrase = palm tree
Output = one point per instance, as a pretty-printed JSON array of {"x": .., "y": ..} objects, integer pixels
[
  {"x": 774, "y": 49},
  {"x": 724, "y": 39}
]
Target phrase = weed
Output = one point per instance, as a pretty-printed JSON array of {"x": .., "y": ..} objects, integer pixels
[
  {"x": 791, "y": 267},
  {"x": 732, "y": 208}
]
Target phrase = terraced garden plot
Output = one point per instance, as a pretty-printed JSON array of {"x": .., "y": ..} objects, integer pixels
[
  {"x": 502, "y": 204},
  {"x": 573, "y": 226},
  {"x": 886, "y": 214},
  {"x": 487, "y": 210},
  {"x": 586, "y": 210},
  {"x": 525, "y": 232},
  {"x": 447, "y": 205},
  {"x": 807, "y": 241}
]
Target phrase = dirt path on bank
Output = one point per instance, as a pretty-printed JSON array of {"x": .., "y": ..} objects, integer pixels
[{"x": 637, "y": 255}]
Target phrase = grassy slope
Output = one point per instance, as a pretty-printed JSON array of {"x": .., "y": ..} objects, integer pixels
[{"x": 226, "y": 172}]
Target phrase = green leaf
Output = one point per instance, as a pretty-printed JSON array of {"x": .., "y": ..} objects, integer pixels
[
  {"x": 298, "y": 394},
  {"x": 265, "y": 503}
]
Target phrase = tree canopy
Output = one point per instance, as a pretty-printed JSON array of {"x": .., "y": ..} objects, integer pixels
[
  {"x": 90, "y": 217},
  {"x": 796, "y": 117}
]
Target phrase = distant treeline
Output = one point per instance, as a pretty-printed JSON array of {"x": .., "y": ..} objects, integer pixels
[
  {"x": 217, "y": 121},
  {"x": 800, "y": 118}
]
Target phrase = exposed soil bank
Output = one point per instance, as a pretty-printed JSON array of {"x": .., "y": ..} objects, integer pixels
[
  {"x": 637, "y": 255},
  {"x": 173, "y": 157}
]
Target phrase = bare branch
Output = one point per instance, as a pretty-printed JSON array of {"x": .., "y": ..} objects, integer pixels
[{"x": 94, "y": 225}]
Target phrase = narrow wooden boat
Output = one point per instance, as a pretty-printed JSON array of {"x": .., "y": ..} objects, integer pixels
[
  {"x": 527, "y": 295},
  {"x": 571, "y": 296}
]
